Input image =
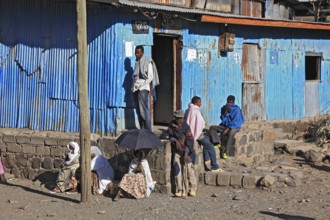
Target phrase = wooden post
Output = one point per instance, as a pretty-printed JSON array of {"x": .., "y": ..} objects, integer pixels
[{"x": 84, "y": 116}]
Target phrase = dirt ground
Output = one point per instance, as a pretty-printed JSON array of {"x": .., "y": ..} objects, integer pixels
[{"x": 23, "y": 199}]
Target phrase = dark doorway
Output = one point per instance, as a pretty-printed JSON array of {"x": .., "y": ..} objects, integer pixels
[{"x": 166, "y": 53}]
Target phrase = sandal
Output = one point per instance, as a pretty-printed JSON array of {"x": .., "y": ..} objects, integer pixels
[{"x": 55, "y": 190}]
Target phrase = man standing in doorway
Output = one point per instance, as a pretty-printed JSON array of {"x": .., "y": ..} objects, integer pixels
[
  {"x": 231, "y": 122},
  {"x": 144, "y": 74}
]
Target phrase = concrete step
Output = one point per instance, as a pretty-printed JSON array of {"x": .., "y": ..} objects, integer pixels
[{"x": 249, "y": 179}]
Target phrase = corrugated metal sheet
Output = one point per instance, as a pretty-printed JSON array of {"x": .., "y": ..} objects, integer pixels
[
  {"x": 181, "y": 3},
  {"x": 312, "y": 106},
  {"x": 251, "y": 63},
  {"x": 38, "y": 66},
  {"x": 298, "y": 84},
  {"x": 38, "y": 76},
  {"x": 324, "y": 95},
  {"x": 218, "y": 5},
  {"x": 170, "y": 8},
  {"x": 211, "y": 77},
  {"x": 198, "y": 4},
  {"x": 251, "y": 8},
  {"x": 252, "y": 102},
  {"x": 279, "y": 90},
  {"x": 253, "y": 90},
  {"x": 278, "y": 10}
]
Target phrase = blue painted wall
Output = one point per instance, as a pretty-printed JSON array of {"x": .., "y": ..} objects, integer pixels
[{"x": 38, "y": 73}]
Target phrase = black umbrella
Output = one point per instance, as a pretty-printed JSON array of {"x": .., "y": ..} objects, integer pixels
[{"x": 139, "y": 139}]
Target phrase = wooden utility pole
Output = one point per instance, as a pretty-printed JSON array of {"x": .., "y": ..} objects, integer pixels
[{"x": 85, "y": 158}]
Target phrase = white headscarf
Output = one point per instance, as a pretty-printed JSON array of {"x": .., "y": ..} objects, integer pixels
[
  {"x": 95, "y": 150},
  {"x": 76, "y": 151},
  {"x": 102, "y": 167}
]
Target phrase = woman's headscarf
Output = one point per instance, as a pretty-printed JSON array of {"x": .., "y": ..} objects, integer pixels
[
  {"x": 95, "y": 150},
  {"x": 76, "y": 151}
]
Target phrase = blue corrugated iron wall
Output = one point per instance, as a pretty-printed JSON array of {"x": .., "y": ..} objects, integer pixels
[
  {"x": 279, "y": 84},
  {"x": 211, "y": 77},
  {"x": 285, "y": 77},
  {"x": 38, "y": 72},
  {"x": 298, "y": 84},
  {"x": 324, "y": 94}
]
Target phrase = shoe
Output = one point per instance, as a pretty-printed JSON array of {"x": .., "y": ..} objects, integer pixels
[
  {"x": 180, "y": 194},
  {"x": 217, "y": 146},
  {"x": 72, "y": 191},
  {"x": 224, "y": 156},
  {"x": 116, "y": 198},
  {"x": 217, "y": 170},
  {"x": 207, "y": 164},
  {"x": 55, "y": 190},
  {"x": 192, "y": 193}
]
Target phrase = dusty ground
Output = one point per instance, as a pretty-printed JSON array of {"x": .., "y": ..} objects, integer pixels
[{"x": 23, "y": 199}]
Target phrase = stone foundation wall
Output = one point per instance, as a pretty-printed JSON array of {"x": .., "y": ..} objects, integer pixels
[
  {"x": 29, "y": 154},
  {"x": 251, "y": 142}
]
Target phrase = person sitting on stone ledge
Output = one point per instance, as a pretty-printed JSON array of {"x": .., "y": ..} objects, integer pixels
[
  {"x": 231, "y": 122},
  {"x": 183, "y": 155},
  {"x": 102, "y": 172},
  {"x": 195, "y": 120},
  {"x": 66, "y": 179},
  {"x": 137, "y": 183}
]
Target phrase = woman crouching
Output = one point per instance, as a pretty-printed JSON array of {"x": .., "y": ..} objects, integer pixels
[
  {"x": 66, "y": 180},
  {"x": 102, "y": 172},
  {"x": 137, "y": 183}
]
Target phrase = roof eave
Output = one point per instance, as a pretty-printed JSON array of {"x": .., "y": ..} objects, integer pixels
[{"x": 265, "y": 22}]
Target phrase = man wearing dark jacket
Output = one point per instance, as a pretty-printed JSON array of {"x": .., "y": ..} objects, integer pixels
[{"x": 183, "y": 154}]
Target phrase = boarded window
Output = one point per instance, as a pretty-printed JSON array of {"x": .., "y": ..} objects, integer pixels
[{"x": 313, "y": 66}]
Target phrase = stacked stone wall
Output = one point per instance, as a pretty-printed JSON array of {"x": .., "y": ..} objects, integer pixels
[{"x": 28, "y": 154}]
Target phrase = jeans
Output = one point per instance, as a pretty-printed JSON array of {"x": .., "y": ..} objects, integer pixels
[
  {"x": 142, "y": 105},
  {"x": 215, "y": 138},
  {"x": 209, "y": 152}
]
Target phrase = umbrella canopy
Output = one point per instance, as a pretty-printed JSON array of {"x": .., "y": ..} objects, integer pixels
[{"x": 139, "y": 139}]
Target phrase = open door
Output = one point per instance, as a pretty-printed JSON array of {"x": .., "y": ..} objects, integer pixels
[{"x": 166, "y": 53}]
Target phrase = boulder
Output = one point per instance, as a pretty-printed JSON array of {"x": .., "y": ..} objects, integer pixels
[{"x": 267, "y": 181}]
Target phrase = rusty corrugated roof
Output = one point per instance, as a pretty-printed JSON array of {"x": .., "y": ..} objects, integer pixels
[{"x": 219, "y": 17}]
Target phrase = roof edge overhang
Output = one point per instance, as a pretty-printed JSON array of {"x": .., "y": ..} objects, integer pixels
[
  {"x": 265, "y": 22},
  {"x": 218, "y": 17}
]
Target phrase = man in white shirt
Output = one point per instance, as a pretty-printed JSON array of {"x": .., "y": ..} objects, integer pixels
[{"x": 142, "y": 78}]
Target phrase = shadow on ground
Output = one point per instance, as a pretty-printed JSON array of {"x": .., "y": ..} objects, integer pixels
[
  {"x": 55, "y": 196},
  {"x": 322, "y": 168},
  {"x": 302, "y": 161},
  {"x": 47, "y": 178},
  {"x": 286, "y": 217}
]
